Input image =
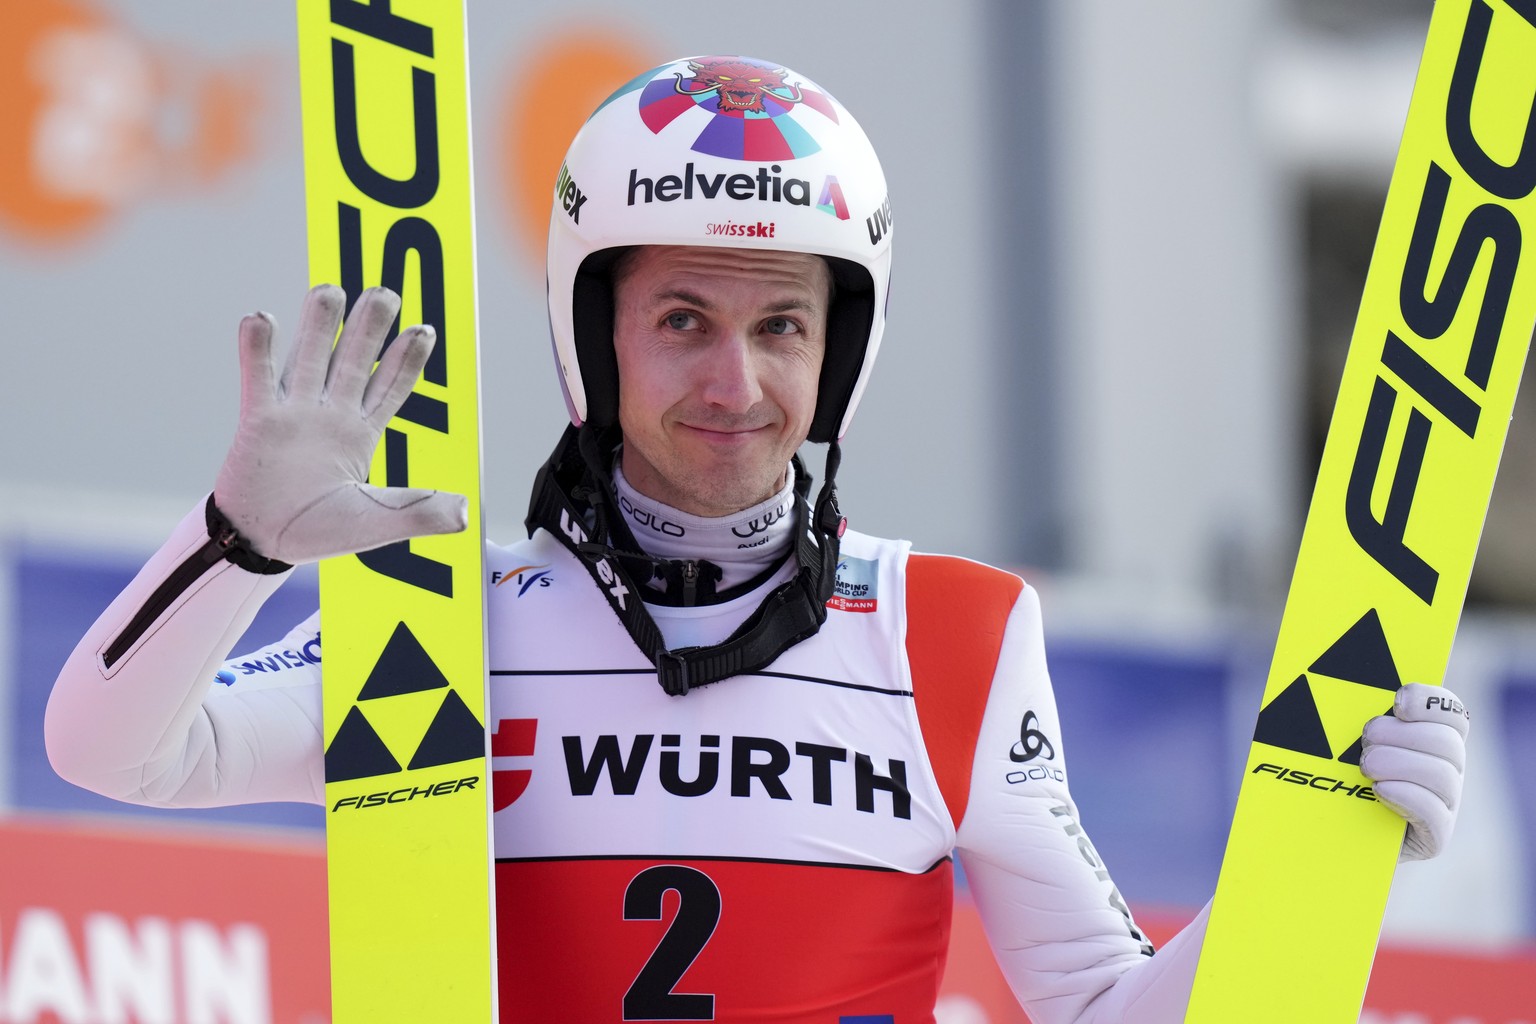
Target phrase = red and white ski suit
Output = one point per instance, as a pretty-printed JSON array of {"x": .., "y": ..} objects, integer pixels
[{"x": 773, "y": 847}]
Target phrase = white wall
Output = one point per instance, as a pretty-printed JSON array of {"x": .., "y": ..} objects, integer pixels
[{"x": 1178, "y": 334}]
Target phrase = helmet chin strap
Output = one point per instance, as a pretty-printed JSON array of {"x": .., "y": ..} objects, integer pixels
[{"x": 573, "y": 498}]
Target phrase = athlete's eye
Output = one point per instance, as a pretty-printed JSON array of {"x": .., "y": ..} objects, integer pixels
[
  {"x": 780, "y": 325},
  {"x": 680, "y": 321}
]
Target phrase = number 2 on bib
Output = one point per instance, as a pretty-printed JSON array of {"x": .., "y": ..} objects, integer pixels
[{"x": 650, "y": 997}]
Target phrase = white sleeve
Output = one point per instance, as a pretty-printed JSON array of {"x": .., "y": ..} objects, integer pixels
[
  {"x": 1060, "y": 930},
  {"x": 131, "y": 715}
]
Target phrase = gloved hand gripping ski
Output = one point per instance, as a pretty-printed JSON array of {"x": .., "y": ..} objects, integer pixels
[
  {"x": 1416, "y": 764},
  {"x": 295, "y": 481}
]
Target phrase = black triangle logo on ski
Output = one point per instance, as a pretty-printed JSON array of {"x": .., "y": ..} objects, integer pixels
[
  {"x": 1361, "y": 655},
  {"x": 1352, "y": 755},
  {"x": 1291, "y": 721},
  {"x": 454, "y": 735},
  {"x": 404, "y": 667},
  {"x": 356, "y": 752}
]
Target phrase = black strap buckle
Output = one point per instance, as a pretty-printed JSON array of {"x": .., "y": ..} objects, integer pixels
[
  {"x": 672, "y": 672},
  {"x": 573, "y": 500}
]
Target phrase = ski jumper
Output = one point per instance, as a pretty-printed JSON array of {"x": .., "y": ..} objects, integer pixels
[{"x": 773, "y": 847}]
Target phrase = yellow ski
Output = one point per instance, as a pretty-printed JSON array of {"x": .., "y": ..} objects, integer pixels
[
  {"x": 1444, "y": 326},
  {"x": 387, "y": 179}
]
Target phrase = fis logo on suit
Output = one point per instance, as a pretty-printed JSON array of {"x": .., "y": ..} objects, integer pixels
[{"x": 524, "y": 578}]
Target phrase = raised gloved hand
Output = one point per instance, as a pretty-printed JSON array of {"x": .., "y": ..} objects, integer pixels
[
  {"x": 1415, "y": 757},
  {"x": 294, "y": 483}
]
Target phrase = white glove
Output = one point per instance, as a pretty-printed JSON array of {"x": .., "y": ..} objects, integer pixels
[
  {"x": 294, "y": 483},
  {"x": 1416, "y": 757}
]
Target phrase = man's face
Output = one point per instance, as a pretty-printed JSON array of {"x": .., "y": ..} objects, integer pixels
[{"x": 719, "y": 352}]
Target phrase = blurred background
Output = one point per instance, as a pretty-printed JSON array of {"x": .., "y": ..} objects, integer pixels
[{"x": 1132, "y": 244}]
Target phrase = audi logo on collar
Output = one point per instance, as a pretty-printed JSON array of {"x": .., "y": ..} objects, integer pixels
[{"x": 760, "y": 523}]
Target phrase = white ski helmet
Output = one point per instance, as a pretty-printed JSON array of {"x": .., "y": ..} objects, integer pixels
[{"x": 729, "y": 152}]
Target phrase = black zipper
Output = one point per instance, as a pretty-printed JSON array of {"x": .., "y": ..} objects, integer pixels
[
  {"x": 690, "y": 582},
  {"x": 177, "y": 583}
]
